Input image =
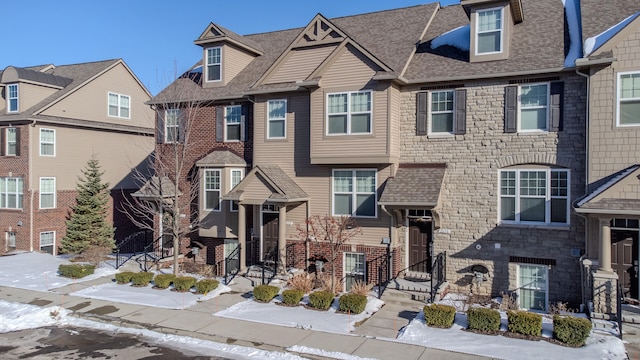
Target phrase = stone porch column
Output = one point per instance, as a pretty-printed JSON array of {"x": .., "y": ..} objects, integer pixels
[
  {"x": 242, "y": 236},
  {"x": 604, "y": 253},
  {"x": 282, "y": 240}
]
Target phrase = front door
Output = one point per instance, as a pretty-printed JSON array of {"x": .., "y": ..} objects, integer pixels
[
  {"x": 269, "y": 236},
  {"x": 420, "y": 235},
  {"x": 624, "y": 260}
]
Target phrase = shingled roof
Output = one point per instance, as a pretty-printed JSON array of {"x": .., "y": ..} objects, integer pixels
[
  {"x": 282, "y": 187},
  {"x": 414, "y": 185},
  {"x": 596, "y": 21}
]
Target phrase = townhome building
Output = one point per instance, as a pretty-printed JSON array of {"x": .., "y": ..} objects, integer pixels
[
  {"x": 452, "y": 135},
  {"x": 53, "y": 119}
]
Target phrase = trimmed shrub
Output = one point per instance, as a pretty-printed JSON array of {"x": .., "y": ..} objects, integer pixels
[
  {"x": 292, "y": 296},
  {"x": 321, "y": 299},
  {"x": 204, "y": 286},
  {"x": 76, "y": 271},
  {"x": 571, "y": 330},
  {"x": 163, "y": 281},
  {"x": 525, "y": 323},
  {"x": 353, "y": 303},
  {"x": 483, "y": 319},
  {"x": 142, "y": 278},
  {"x": 264, "y": 293},
  {"x": 184, "y": 283},
  {"x": 438, "y": 315},
  {"x": 124, "y": 277}
]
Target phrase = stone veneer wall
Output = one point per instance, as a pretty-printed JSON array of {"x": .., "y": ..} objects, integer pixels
[{"x": 468, "y": 201}]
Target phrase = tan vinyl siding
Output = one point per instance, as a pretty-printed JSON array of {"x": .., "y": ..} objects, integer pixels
[
  {"x": 234, "y": 60},
  {"x": 299, "y": 64},
  {"x": 91, "y": 101},
  {"x": 118, "y": 153},
  {"x": 350, "y": 69},
  {"x": 31, "y": 94}
]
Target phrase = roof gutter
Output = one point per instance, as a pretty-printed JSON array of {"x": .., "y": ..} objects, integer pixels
[
  {"x": 607, "y": 211},
  {"x": 591, "y": 62},
  {"x": 299, "y": 86},
  {"x": 487, "y": 75}
]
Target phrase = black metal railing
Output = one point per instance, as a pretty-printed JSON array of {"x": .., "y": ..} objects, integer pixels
[
  {"x": 380, "y": 270},
  {"x": 269, "y": 265},
  {"x": 438, "y": 273},
  {"x": 132, "y": 245},
  {"x": 154, "y": 252},
  {"x": 235, "y": 257}
]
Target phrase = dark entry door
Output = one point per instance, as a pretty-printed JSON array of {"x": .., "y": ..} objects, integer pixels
[
  {"x": 269, "y": 236},
  {"x": 624, "y": 260},
  {"x": 420, "y": 235}
]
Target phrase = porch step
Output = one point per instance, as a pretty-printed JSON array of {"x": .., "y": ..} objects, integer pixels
[
  {"x": 416, "y": 276},
  {"x": 405, "y": 297},
  {"x": 422, "y": 286}
]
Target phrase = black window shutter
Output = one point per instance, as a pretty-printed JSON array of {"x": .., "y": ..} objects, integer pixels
[
  {"x": 422, "y": 104},
  {"x": 160, "y": 116},
  {"x": 557, "y": 104},
  {"x": 182, "y": 126},
  {"x": 219, "y": 124},
  {"x": 17, "y": 141},
  {"x": 460, "y": 115},
  {"x": 243, "y": 123},
  {"x": 510, "y": 109},
  {"x": 3, "y": 146}
]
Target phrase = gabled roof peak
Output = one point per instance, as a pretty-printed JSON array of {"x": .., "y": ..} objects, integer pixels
[{"x": 216, "y": 33}]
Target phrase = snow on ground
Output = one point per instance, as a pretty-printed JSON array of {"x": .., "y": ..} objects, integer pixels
[
  {"x": 39, "y": 272},
  {"x": 300, "y": 317}
]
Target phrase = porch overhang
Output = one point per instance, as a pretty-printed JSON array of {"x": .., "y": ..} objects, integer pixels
[
  {"x": 157, "y": 189},
  {"x": 267, "y": 183},
  {"x": 415, "y": 186},
  {"x": 616, "y": 195}
]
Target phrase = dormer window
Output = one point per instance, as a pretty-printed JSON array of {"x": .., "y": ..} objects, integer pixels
[
  {"x": 214, "y": 64},
  {"x": 489, "y": 31},
  {"x": 12, "y": 98}
]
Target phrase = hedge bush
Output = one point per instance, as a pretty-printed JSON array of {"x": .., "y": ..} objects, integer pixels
[
  {"x": 524, "y": 322},
  {"x": 184, "y": 283},
  {"x": 204, "y": 286},
  {"x": 142, "y": 278},
  {"x": 571, "y": 330},
  {"x": 352, "y": 303},
  {"x": 124, "y": 277},
  {"x": 76, "y": 271},
  {"x": 483, "y": 319},
  {"x": 292, "y": 296},
  {"x": 439, "y": 315},
  {"x": 321, "y": 299},
  {"x": 163, "y": 281},
  {"x": 264, "y": 293}
]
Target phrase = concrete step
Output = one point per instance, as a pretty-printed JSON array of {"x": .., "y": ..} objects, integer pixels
[
  {"x": 413, "y": 286},
  {"x": 405, "y": 298},
  {"x": 416, "y": 276}
]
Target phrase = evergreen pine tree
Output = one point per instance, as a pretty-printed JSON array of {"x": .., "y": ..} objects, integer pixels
[{"x": 87, "y": 225}]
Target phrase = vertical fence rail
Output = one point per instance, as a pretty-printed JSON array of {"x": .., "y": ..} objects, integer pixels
[
  {"x": 438, "y": 273},
  {"x": 235, "y": 255}
]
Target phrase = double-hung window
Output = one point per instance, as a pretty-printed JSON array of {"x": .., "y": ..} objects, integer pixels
[
  {"x": 12, "y": 98},
  {"x": 214, "y": 64},
  {"x": 349, "y": 113},
  {"x": 47, "y": 192},
  {"x": 534, "y": 107},
  {"x": 354, "y": 193},
  {"x": 534, "y": 196},
  {"x": 629, "y": 99},
  {"x": 442, "y": 112},
  {"x": 212, "y": 189},
  {"x": 47, "y": 241},
  {"x": 11, "y": 142},
  {"x": 276, "y": 119},
  {"x": 532, "y": 287},
  {"x": 354, "y": 269},
  {"x": 119, "y": 105},
  {"x": 489, "y": 31},
  {"x": 11, "y": 189},
  {"x": 47, "y": 142},
  {"x": 236, "y": 177},
  {"x": 233, "y": 122},
  {"x": 171, "y": 125}
]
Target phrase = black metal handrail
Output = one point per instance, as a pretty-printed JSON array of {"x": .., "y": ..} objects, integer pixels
[
  {"x": 408, "y": 268},
  {"x": 438, "y": 273},
  {"x": 382, "y": 268},
  {"x": 235, "y": 254},
  {"x": 270, "y": 258},
  {"x": 132, "y": 245},
  {"x": 153, "y": 253}
]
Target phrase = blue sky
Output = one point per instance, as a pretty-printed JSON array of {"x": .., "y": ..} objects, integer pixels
[{"x": 155, "y": 38}]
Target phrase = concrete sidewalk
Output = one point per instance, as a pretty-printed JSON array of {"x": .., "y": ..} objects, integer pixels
[{"x": 198, "y": 321}]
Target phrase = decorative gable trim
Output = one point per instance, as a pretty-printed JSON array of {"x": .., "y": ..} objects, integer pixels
[
  {"x": 319, "y": 31},
  {"x": 214, "y": 33}
]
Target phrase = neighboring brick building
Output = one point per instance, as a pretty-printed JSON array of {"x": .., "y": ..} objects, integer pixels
[{"x": 52, "y": 120}]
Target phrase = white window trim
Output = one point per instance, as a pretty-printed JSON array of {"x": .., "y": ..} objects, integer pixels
[
  {"x": 166, "y": 127},
  {"x": 17, "y": 97},
  {"x": 502, "y": 22},
  {"x": 270, "y": 119},
  {"x": 46, "y": 142},
  {"x": 546, "y": 289},
  {"x": 619, "y": 98},
  {"x": 430, "y": 113},
  {"x": 240, "y": 124},
  {"x": 47, "y": 193},
  {"x": 547, "y": 113},
  {"x": 205, "y": 190},
  {"x": 120, "y": 106},
  {"x": 206, "y": 65},
  {"x": 19, "y": 196},
  {"x": 231, "y": 186},
  {"x": 348, "y": 113},
  {"x": 15, "y": 142},
  {"x": 547, "y": 196},
  {"x": 53, "y": 233},
  {"x": 354, "y": 193},
  {"x": 345, "y": 273}
]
